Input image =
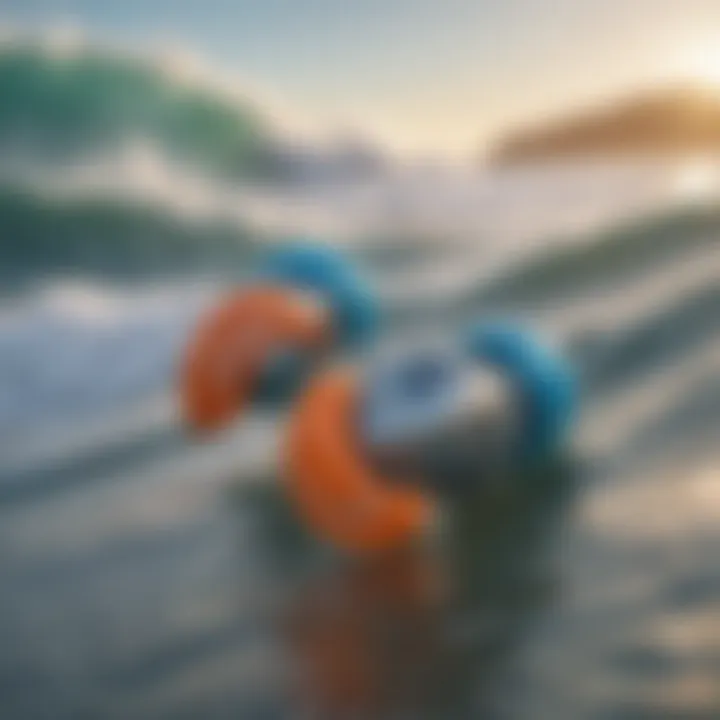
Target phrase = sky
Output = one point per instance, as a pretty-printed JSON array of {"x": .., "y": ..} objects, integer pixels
[{"x": 423, "y": 77}]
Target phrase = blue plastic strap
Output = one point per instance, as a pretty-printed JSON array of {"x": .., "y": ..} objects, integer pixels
[
  {"x": 325, "y": 270},
  {"x": 545, "y": 380}
]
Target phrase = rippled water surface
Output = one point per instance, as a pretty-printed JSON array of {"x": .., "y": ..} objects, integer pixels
[{"x": 146, "y": 576}]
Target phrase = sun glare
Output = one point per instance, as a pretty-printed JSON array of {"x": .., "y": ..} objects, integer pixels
[{"x": 703, "y": 65}]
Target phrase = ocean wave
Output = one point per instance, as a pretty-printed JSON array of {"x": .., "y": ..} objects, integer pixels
[
  {"x": 608, "y": 257},
  {"x": 112, "y": 237},
  {"x": 667, "y": 334},
  {"x": 60, "y": 105},
  {"x": 75, "y": 349},
  {"x": 69, "y": 101}
]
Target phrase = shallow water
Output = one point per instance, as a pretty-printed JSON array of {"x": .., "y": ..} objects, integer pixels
[
  {"x": 587, "y": 594},
  {"x": 146, "y": 576}
]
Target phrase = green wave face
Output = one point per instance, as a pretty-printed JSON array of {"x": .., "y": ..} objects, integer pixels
[
  {"x": 41, "y": 236},
  {"x": 55, "y": 107}
]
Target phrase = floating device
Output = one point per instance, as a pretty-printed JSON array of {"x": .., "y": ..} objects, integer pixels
[
  {"x": 369, "y": 454},
  {"x": 261, "y": 341}
]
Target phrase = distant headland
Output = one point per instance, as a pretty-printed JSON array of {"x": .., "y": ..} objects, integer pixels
[{"x": 673, "y": 121}]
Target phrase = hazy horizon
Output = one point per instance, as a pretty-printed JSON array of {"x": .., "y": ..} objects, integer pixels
[{"x": 420, "y": 78}]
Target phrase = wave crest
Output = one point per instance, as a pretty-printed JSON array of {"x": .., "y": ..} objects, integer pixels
[{"x": 57, "y": 105}]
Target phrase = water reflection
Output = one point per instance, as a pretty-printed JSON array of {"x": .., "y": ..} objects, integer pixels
[{"x": 432, "y": 631}]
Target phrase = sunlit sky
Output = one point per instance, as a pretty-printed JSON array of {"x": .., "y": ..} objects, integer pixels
[{"x": 422, "y": 76}]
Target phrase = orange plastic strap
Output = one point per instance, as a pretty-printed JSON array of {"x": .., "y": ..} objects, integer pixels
[
  {"x": 340, "y": 496},
  {"x": 234, "y": 341}
]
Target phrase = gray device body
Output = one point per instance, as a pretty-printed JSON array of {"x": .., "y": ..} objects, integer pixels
[{"x": 434, "y": 416}]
